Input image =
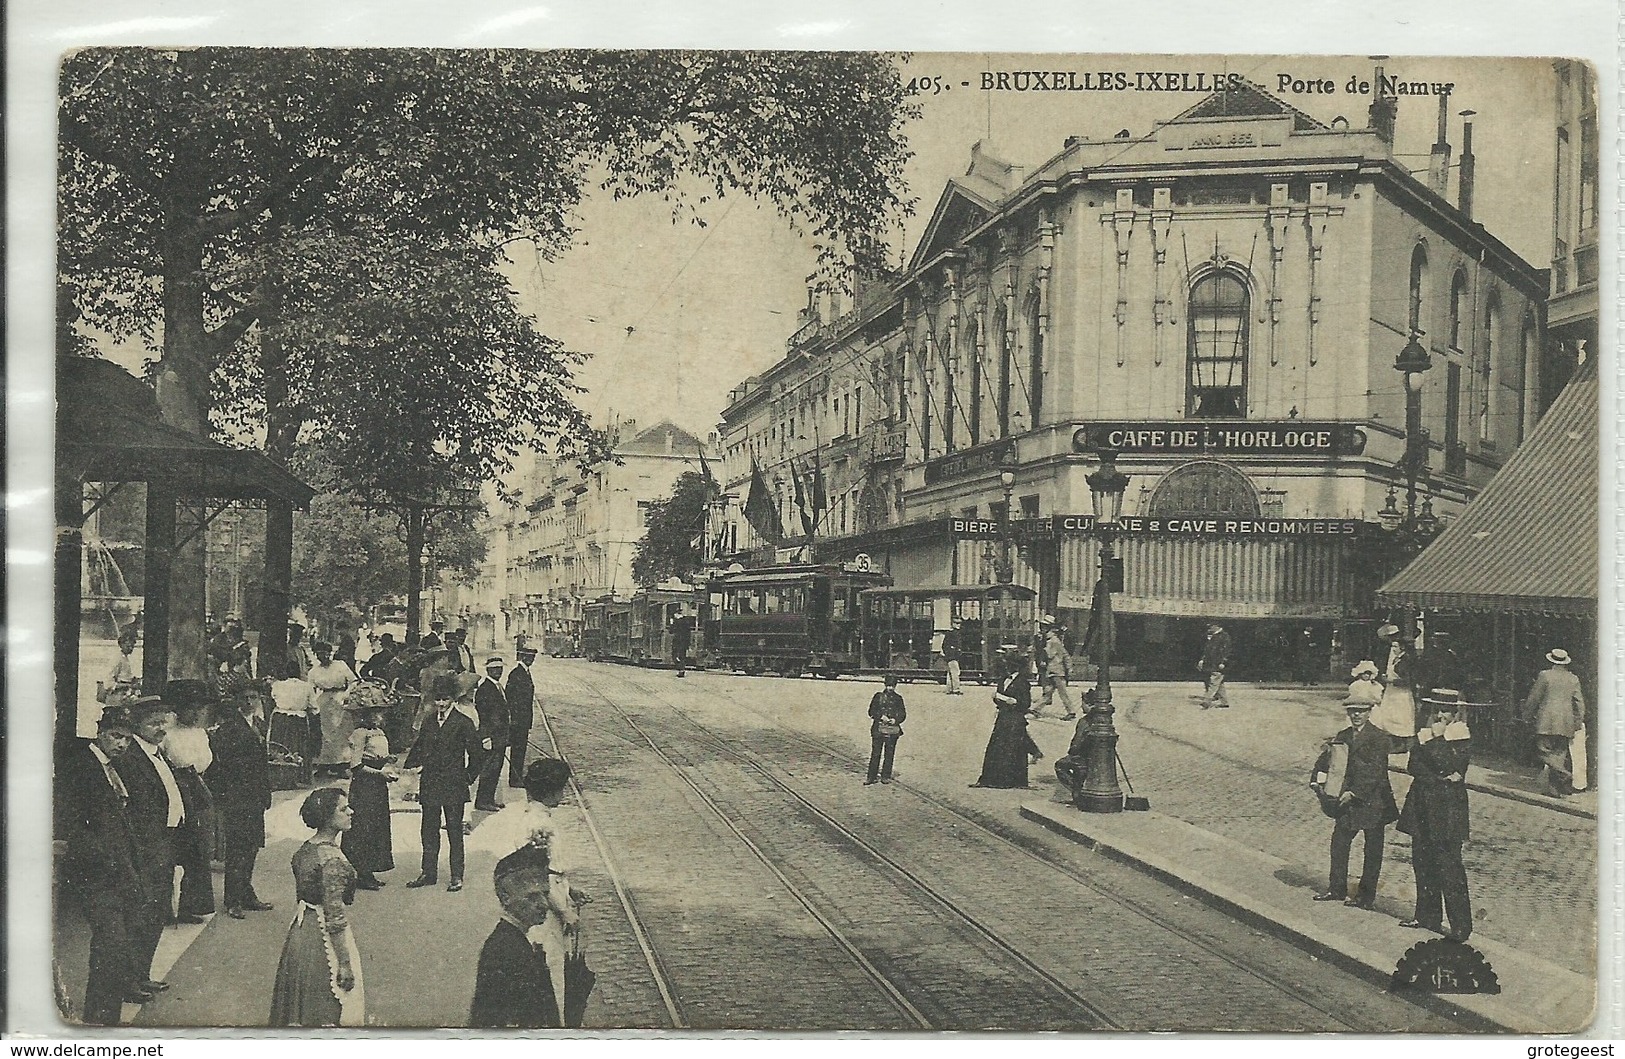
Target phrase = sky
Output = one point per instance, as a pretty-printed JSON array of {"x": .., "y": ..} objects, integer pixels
[{"x": 676, "y": 315}]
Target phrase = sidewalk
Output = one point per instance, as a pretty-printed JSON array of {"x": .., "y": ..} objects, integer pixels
[{"x": 1234, "y": 823}]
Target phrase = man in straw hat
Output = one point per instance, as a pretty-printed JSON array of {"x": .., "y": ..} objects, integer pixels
[
  {"x": 1215, "y": 657},
  {"x": 1555, "y": 709},
  {"x": 1365, "y": 805}
]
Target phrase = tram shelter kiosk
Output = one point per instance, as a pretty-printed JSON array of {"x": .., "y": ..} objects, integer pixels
[
  {"x": 903, "y": 627},
  {"x": 109, "y": 434}
]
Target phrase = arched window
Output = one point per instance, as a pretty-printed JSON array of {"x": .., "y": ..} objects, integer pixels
[
  {"x": 1204, "y": 490},
  {"x": 1001, "y": 348},
  {"x": 1458, "y": 294},
  {"x": 1419, "y": 279},
  {"x": 1216, "y": 383},
  {"x": 1035, "y": 362},
  {"x": 1492, "y": 341}
]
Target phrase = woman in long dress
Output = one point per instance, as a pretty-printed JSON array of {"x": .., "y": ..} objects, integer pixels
[
  {"x": 318, "y": 981},
  {"x": 330, "y": 681},
  {"x": 1010, "y": 749},
  {"x": 367, "y": 844}
]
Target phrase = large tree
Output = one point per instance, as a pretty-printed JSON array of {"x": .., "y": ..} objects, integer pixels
[
  {"x": 668, "y": 546},
  {"x": 285, "y": 226}
]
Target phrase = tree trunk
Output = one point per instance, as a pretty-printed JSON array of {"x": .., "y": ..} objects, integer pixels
[
  {"x": 274, "y": 599},
  {"x": 70, "y": 501},
  {"x": 183, "y": 399},
  {"x": 414, "y": 571},
  {"x": 159, "y": 578}
]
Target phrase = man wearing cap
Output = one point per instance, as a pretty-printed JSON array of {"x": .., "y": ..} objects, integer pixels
[
  {"x": 1555, "y": 709},
  {"x": 448, "y": 753},
  {"x": 1365, "y": 805},
  {"x": 100, "y": 866},
  {"x": 156, "y": 813},
  {"x": 520, "y": 691},
  {"x": 1215, "y": 657},
  {"x": 492, "y": 707},
  {"x": 1057, "y": 671}
]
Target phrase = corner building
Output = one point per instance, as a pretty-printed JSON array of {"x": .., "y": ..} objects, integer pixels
[{"x": 1222, "y": 299}]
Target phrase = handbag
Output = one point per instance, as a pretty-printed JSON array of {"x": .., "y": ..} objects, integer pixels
[{"x": 888, "y": 728}]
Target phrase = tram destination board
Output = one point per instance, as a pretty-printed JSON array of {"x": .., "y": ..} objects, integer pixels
[{"x": 1292, "y": 437}]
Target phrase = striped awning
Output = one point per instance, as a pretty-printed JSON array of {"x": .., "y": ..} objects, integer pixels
[{"x": 1528, "y": 543}]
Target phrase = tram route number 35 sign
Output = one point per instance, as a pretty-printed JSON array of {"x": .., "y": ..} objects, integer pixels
[{"x": 1290, "y": 437}]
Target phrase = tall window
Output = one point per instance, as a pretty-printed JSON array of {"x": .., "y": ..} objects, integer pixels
[
  {"x": 1458, "y": 294},
  {"x": 1002, "y": 354},
  {"x": 1035, "y": 362},
  {"x": 1492, "y": 335},
  {"x": 1419, "y": 279},
  {"x": 945, "y": 352},
  {"x": 975, "y": 348},
  {"x": 1217, "y": 361}
]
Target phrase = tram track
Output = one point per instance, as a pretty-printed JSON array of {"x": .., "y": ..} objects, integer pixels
[
  {"x": 795, "y": 742},
  {"x": 1066, "y": 1007}
]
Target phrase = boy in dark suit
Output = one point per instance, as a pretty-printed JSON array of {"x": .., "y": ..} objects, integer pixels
[
  {"x": 448, "y": 751},
  {"x": 101, "y": 865},
  {"x": 513, "y": 987}
]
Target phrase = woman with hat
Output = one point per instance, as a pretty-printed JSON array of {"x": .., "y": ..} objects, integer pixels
[
  {"x": 1555, "y": 709},
  {"x": 1010, "y": 749},
  {"x": 1435, "y": 816},
  {"x": 330, "y": 681},
  {"x": 1395, "y": 712},
  {"x": 367, "y": 844}
]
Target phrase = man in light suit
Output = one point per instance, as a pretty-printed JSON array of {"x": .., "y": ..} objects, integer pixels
[
  {"x": 1556, "y": 709},
  {"x": 520, "y": 691},
  {"x": 491, "y": 704},
  {"x": 448, "y": 751}
]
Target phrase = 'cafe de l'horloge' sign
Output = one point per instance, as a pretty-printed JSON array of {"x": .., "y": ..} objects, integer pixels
[{"x": 1288, "y": 437}]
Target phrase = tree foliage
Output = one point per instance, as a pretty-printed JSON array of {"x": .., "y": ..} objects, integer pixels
[
  {"x": 667, "y": 548},
  {"x": 307, "y": 233}
]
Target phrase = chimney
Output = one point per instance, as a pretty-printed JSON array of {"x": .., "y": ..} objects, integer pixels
[
  {"x": 1439, "y": 160},
  {"x": 1384, "y": 107},
  {"x": 1465, "y": 192},
  {"x": 671, "y": 441}
]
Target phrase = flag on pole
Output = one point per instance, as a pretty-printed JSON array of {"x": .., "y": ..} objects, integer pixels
[
  {"x": 806, "y": 512},
  {"x": 761, "y": 511}
]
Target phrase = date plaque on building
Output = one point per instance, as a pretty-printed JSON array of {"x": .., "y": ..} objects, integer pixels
[{"x": 1187, "y": 437}]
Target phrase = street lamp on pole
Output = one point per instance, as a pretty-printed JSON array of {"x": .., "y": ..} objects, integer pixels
[
  {"x": 1413, "y": 527},
  {"x": 1099, "y": 792},
  {"x": 1006, "y": 571}
]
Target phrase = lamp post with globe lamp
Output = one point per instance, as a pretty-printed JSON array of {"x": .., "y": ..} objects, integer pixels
[{"x": 1099, "y": 791}]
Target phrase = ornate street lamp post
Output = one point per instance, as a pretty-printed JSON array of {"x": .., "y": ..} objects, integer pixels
[
  {"x": 1413, "y": 528},
  {"x": 1099, "y": 792}
]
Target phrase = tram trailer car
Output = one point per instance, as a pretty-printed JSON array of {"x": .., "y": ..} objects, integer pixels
[
  {"x": 562, "y": 637},
  {"x": 792, "y": 619},
  {"x": 654, "y": 610},
  {"x": 606, "y": 630},
  {"x": 903, "y": 628}
]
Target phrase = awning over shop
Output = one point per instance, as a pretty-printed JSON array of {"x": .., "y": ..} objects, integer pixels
[{"x": 1528, "y": 543}]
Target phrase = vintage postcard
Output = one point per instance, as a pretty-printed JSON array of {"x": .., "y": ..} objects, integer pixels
[{"x": 808, "y": 541}]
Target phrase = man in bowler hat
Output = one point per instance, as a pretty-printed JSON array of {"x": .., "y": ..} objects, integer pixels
[
  {"x": 448, "y": 751},
  {"x": 520, "y": 691},
  {"x": 156, "y": 812}
]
